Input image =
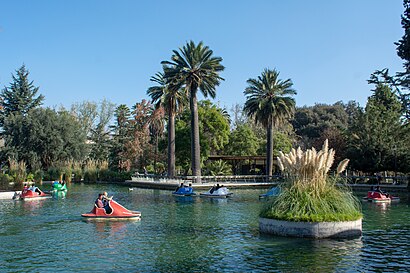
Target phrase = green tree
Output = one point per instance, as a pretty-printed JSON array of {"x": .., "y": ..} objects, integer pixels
[
  {"x": 314, "y": 124},
  {"x": 173, "y": 100},
  {"x": 378, "y": 140},
  {"x": 214, "y": 132},
  {"x": 100, "y": 133},
  {"x": 43, "y": 135},
  {"x": 86, "y": 113},
  {"x": 20, "y": 96},
  {"x": 403, "y": 45},
  {"x": 268, "y": 101},
  {"x": 195, "y": 68},
  {"x": 242, "y": 141},
  {"x": 119, "y": 159},
  {"x": 156, "y": 129}
]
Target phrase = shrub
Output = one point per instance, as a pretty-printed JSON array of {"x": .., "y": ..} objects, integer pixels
[{"x": 308, "y": 194}]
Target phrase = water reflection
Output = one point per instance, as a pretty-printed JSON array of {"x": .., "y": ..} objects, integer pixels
[
  {"x": 105, "y": 229},
  {"x": 59, "y": 194},
  {"x": 184, "y": 199}
]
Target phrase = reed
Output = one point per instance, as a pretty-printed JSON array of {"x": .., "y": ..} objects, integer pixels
[{"x": 309, "y": 194}]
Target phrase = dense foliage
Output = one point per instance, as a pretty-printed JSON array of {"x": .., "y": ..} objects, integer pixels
[{"x": 269, "y": 102}]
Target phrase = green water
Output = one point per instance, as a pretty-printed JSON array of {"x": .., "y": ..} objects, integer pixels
[{"x": 187, "y": 235}]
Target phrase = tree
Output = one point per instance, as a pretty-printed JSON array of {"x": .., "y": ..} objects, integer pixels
[
  {"x": 268, "y": 101},
  {"x": 242, "y": 141},
  {"x": 86, "y": 113},
  {"x": 20, "y": 96},
  {"x": 214, "y": 132},
  {"x": 378, "y": 140},
  {"x": 43, "y": 135},
  {"x": 100, "y": 133},
  {"x": 314, "y": 124},
  {"x": 172, "y": 99},
  {"x": 403, "y": 45},
  {"x": 156, "y": 129},
  {"x": 139, "y": 145},
  {"x": 119, "y": 158},
  {"x": 194, "y": 67}
]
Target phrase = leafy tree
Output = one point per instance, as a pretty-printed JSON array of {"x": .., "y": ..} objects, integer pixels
[
  {"x": 173, "y": 100},
  {"x": 314, "y": 124},
  {"x": 139, "y": 145},
  {"x": 400, "y": 83},
  {"x": 45, "y": 136},
  {"x": 268, "y": 101},
  {"x": 214, "y": 132},
  {"x": 377, "y": 138},
  {"x": 119, "y": 158},
  {"x": 20, "y": 97},
  {"x": 195, "y": 68},
  {"x": 403, "y": 45},
  {"x": 239, "y": 117},
  {"x": 100, "y": 133},
  {"x": 242, "y": 141},
  {"x": 86, "y": 113},
  {"x": 156, "y": 129}
]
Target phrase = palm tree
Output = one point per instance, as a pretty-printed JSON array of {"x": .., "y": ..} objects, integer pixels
[
  {"x": 268, "y": 101},
  {"x": 194, "y": 67},
  {"x": 172, "y": 99}
]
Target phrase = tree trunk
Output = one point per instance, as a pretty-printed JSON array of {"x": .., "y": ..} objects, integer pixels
[
  {"x": 269, "y": 149},
  {"x": 171, "y": 143},
  {"x": 195, "y": 148}
]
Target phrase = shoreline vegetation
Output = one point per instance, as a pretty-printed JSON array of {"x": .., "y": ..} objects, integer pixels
[{"x": 176, "y": 134}]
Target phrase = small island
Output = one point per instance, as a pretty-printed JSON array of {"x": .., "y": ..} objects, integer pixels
[{"x": 310, "y": 203}]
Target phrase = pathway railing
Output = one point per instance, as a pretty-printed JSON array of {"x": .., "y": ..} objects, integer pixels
[
  {"x": 209, "y": 179},
  {"x": 351, "y": 179}
]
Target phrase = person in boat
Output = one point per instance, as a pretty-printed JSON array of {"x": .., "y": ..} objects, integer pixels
[
  {"x": 212, "y": 189},
  {"x": 179, "y": 187},
  {"x": 377, "y": 189},
  {"x": 99, "y": 201},
  {"x": 33, "y": 188},
  {"x": 217, "y": 187},
  {"x": 106, "y": 199}
]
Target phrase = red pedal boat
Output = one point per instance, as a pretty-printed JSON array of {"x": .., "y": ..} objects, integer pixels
[
  {"x": 114, "y": 212},
  {"x": 33, "y": 194},
  {"x": 379, "y": 197}
]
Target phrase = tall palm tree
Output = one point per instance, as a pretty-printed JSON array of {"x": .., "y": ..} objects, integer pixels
[
  {"x": 194, "y": 67},
  {"x": 172, "y": 99},
  {"x": 268, "y": 101}
]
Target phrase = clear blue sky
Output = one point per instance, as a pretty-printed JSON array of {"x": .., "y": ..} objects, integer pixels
[{"x": 93, "y": 49}]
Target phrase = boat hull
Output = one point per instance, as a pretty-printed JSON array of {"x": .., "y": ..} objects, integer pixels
[
  {"x": 183, "y": 194},
  {"x": 115, "y": 212},
  {"x": 378, "y": 197},
  {"x": 222, "y": 192},
  {"x": 28, "y": 195},
  {"x": 216, "y": 195}
]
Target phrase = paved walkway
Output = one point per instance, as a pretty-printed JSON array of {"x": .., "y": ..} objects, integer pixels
[{"x": 171, "y": 185}]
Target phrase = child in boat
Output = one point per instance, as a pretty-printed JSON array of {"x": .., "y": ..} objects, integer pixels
[{"x": 106, "y": 199}]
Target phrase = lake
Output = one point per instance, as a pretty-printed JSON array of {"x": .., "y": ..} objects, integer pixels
[{"x": 187, "y": 234}]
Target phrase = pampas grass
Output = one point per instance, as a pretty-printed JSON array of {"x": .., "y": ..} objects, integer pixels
[{"x": 309, "y": 194}]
